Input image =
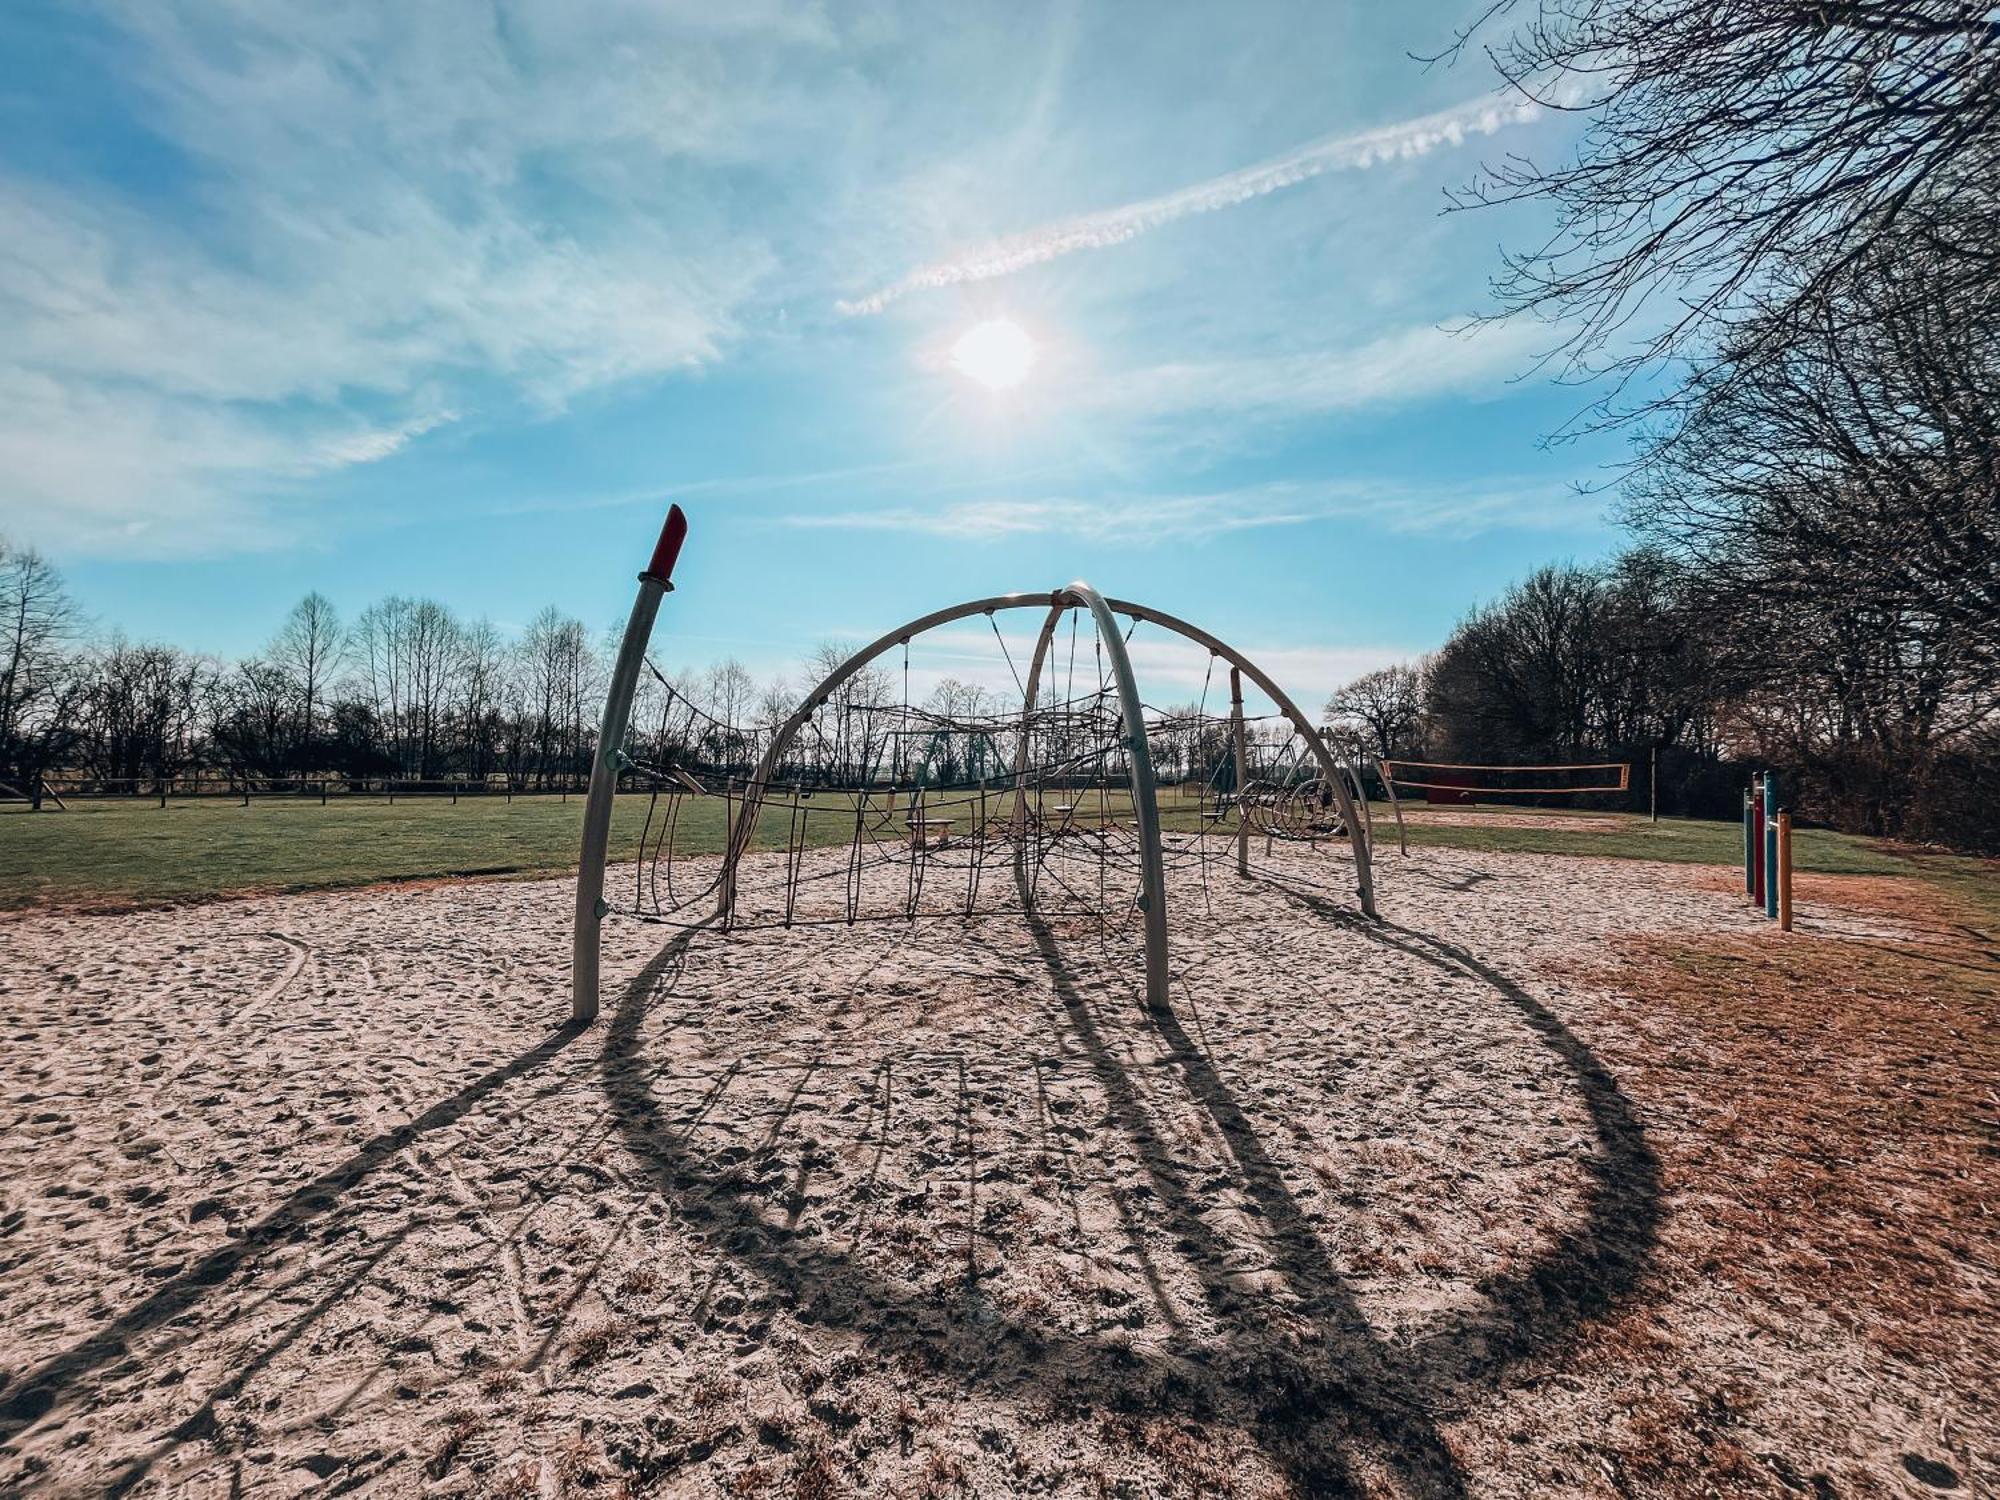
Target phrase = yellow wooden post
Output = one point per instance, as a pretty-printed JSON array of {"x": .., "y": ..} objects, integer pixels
[{"x": 1785, "y": 871}]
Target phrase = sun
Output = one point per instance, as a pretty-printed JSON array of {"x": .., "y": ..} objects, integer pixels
[{"x": 997, "y": 353}]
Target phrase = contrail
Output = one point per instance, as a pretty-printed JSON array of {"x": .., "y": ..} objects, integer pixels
[{"x": 1114, "y": 226}]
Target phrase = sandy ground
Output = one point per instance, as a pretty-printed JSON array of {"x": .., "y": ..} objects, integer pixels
[{"x": 317, "y": 1194}]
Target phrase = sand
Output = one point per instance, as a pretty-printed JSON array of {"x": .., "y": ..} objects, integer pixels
[{"x": 319, "y": 1195}]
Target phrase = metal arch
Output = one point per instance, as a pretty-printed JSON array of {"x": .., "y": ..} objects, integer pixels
[
  {"x": 1145, "y": 798},
  {"x": 1055, "y": 601},
  {"x": 1356, "y": 837}
]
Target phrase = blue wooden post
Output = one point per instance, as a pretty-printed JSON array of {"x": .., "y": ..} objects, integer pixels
[{"x": 1771, "y": 845}]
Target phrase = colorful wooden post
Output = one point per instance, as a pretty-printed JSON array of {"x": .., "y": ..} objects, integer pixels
[
  {"x": 1757, "y": 840},
  {"x": 1771, "y": 844},
  {"x": 1785, "y": 869}
]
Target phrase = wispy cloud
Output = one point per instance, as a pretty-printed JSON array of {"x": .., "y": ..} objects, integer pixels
[
  {"x": 137, "y": 472},
  {"x": 386, "y": 221},
  {"x": 1463, "y": 510},
  {"x": 1408, "y": 364},
  {"x": 1354, "y": 151}
]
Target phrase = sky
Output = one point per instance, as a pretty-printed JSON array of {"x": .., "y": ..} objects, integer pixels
[{"x": 452, "y": 299}]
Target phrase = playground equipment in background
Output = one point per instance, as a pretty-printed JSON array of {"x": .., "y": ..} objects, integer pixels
[
  {"x": 1059, "y": 790},
  {"x": 1767, "y": 849},
  {"x": 1453, "y": 785},
  {"x": 36, "y": 791}
]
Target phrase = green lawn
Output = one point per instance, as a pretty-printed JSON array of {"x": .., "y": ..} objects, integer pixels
[
  {"x": 107, "y": 853},
  {"x": 100, "y": 853},
  {"x": 112, "y": 852}
]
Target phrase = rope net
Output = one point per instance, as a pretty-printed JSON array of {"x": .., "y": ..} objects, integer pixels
[{"x": 926, "y": 786}]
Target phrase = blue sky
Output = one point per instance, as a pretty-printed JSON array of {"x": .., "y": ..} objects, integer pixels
[{"x": 451, "y": 299}]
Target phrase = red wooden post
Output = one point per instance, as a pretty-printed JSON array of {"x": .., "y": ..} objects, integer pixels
[{"x": 1757, "y": 841}]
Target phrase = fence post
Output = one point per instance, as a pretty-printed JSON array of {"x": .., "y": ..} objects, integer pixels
[{"x": 1653, "y": 785}]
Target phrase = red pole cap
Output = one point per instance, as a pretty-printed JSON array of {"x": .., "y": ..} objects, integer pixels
[{"x": 669, "y": 549}]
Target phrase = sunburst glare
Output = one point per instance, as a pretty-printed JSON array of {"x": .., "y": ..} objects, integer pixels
[{"x": 998, "y": 354}]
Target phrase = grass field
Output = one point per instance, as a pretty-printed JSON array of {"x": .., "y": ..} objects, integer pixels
[{"x": 103, "y": 854}]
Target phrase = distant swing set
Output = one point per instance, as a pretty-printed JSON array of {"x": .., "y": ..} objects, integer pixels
[{"x": 1048, "y": 810}]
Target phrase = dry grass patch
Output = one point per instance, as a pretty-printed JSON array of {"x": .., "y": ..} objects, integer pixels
[{"x": 1825, "y": 1115}]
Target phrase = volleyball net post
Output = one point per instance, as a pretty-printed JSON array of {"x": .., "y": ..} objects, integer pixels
[{"x": 1395, "y": 806}]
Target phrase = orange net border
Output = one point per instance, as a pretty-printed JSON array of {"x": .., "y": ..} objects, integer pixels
[{"x": 1622, "y": 767}]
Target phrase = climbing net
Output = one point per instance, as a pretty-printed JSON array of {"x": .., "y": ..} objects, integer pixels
[{"x": 949, "y": 778}]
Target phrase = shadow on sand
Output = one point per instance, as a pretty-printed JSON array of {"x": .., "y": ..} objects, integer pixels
[{"x": 1312, "y": 1382}]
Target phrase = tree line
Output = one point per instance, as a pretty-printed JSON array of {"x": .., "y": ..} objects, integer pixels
[
  {"x": 408, "y": 691},
  {"x": 405, "y": 690}
]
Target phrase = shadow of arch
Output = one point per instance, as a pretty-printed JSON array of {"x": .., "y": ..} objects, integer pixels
[
  {"x": 1295, "y": 1400},
  {"x": 1593, "y": 1264},
  {"x": 1345, "y": 1379}
]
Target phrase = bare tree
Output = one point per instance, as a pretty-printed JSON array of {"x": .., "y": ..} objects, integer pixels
[
  {"x": 730, "y": 692},
  {"x": 380, "y": 664},
  {"x": 434, "y": 644},
  {"x": 41, "y": 687},
  {"x": 772, "y": 705},
  {"x": 559, "y": 674},
  {"x": 309, "y": 648},
  {"x": 479, "y": 697},
  {"x": 1385, "y": 709},
  {"x": 251, "y": 717},
  {"x": 1858, "y": 462},
  {"x": 142, "y": 715},
  {"x": 1733, "y": 143},
  {"x": 955, "y": 754}
]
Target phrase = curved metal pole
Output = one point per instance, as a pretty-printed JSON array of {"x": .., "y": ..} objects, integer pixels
[
  {"x": 1356, "y": 836},
  {"x": 654, "y": 585},
  {"x": 1145, "y": 797}
]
